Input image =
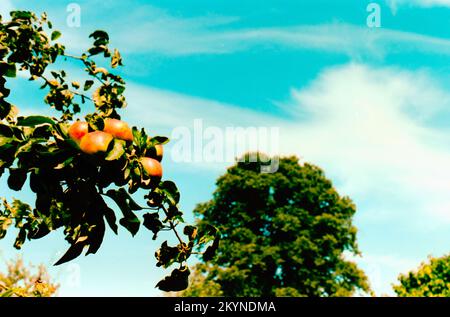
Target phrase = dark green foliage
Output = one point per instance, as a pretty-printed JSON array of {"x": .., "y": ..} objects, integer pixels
[
  {"x": 177, "y": 281},
  {"x": 283, "y": 234}
]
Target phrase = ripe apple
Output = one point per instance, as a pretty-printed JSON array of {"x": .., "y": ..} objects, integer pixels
[
  {"x": 78, "y": 130},
  {"x": 97, "y": 141},
  {"x": 159, "y": 152},
  {"x": 152, "y": 167},
  {"x": 118, "y": 129}
]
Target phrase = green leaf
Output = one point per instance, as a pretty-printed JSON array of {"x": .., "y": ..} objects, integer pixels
[
  {"x": 152, "y": 223},
  {"x": 5, "y": 141},
  {"x": 26, "y": 146},
  {"x": 96, "y": 236},
  {"x": 211, "y": 250},
  {"x": 73, "y": 252},
  {"x": 8, "y": 69},
  {"x": 39, "y": 232},
  {"x": 95, "y": 122},
  {"x": 42, "y": 131},
  {"x": 177, "y": 281},
  {"x": 5, "y": 108},
  {"x": 12, "y": 113},
  {"x": 24, "y": 15},
  {"x": 88, "y": 84},
  {"x": 20, "y": 239},
  {"x": 99, "y": 34},
  {"x": 191, "y": 232},
  {"x": 171, "y": 191},
  {"x": 32, "y": 121},
  {"x": 126, "y": 204},
  {"x": 173, "y": 213},
  {"x": 166, "y": 255},
  {"x": 101, "y": 42},
  {"x": 159, "y": 140},
  {"x": 207, "y": 234},
  {"x": 119, "y": 89},
  {"x": 96, "y": 50},
  {"x": 132, "y": 224},
  {"x": 116, "y": 59},
  {"x": 123, "y": 196},
  {"x": 17, "y": 178},
  {"x": 55, "y": 35},
  {"x": 117, "y": 151},
  {"x": 154, "y": 199},
  {"x": 110, "y": 217}
]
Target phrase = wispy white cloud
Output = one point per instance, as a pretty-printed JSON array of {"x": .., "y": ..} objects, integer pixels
[
  {"x": 160, "y": 32},
  {"x": 347, "y": 39},
  {"x": 368, "y": 128},
  {"x": 6, "y": 6},
  {"x": 420, "y": 3}
]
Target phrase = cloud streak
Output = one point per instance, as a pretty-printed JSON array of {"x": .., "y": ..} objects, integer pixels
[
  {"x": 161, "y": 33},
  {"x": 339, "y": 38},
  {"x": 420, "y": 3}
]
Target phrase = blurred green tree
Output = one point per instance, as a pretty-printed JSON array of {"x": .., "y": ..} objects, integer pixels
[{"x": 283, "y": 234}]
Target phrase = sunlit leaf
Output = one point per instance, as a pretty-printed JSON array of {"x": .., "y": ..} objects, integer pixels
[
  {"x": 55, "y": 35},
  {"x": 32, "y": 121}
]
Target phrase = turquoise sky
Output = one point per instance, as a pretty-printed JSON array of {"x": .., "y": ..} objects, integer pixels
[{"x": 369, "y": 105}]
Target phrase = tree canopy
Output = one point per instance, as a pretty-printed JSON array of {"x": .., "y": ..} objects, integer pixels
[
  {"x": 76, "y": 183},
  {"x": 431, "y": 279},
  {"x": 285, "y": 233}
]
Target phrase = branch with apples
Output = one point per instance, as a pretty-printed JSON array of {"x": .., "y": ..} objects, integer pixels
[{"x": 78, "y": 168}]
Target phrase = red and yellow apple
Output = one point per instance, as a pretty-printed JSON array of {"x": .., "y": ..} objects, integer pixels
[
  {"x": 118, "y": 129},
  {"x": 94, "y": 142},
  {"x": 152, "y": 167},
  {"x": 78, "y": 130}
]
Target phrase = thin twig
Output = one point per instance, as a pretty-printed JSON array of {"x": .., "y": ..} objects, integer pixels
[
  {"x": 88, "y": 66},
  {"x": 172, "y": 226},
  {"x": 73, "y": 56},
  {"x": 81, "y": 95}
]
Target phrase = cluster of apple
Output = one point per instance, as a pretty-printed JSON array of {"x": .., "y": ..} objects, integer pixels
[{"x": 99, "y": 141}]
